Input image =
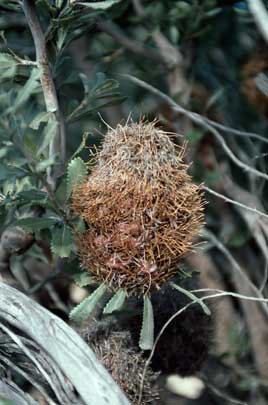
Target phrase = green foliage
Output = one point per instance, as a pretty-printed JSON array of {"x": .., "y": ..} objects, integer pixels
[
  {"x": 82, "y": 311},
  {"x": 38, "y": 119},
  {"x": 8, "y": 65},
  {"x": 35, "y": 224},
  {"x": 83, "y": 279},
  {"x": 213, "y": 38},
  {"x": 147, "y": 331},
  {"x": 192, "y": 297},
  {"x": 76, "y": 174},
  {"x": 98, "y": 93},
  {"x": 115, "y": 303},
  {"x": 98, "y": 5},
  {"x": 10, "y": 172},
  {"x": 62, "y": 241},
  {"x": 50, "y": 132},
  {"x": 31, "y": 86}
]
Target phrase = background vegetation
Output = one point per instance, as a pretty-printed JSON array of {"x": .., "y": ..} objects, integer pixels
[{"x": 200, "y": 67}]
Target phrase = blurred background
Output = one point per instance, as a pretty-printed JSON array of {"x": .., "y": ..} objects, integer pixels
[{"x": 203, "y": 73}]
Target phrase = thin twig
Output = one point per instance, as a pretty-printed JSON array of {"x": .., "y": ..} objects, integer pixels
[
  {"x": 119, "y": 36},
  {"x": 51, "y": 276},
  {"x": 57, "y": 146},
  {"x": 219, "y": 293},
  {"x": 59, "y": 304},
  {"x": 198, "y": 119},
  {"x": 208, "y": 234},
  {"x": 265, "y": 277},
  {"x": 236, "y": 132},
  {"x": 229, "y": 200},
  {"x": 224, "y": 396}
]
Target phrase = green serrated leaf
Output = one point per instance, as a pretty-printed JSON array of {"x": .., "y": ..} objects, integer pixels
[
  {"x": 192, "y": 297},
  {"x": 8, "y": 65},
  {"x": 83, "y": 279},
  {"x": 116, "y": 302},
  {"x": 50, "y": 132},
  {"x": 62, "y": 241},
  {"x": 84, "y": 309},
  {"x": 76, "y": 174},
  {"x": 35, "y": 224},
  {"x": 32, "y": 196},
  {"x": 147, "y": 331},
  {"x": 98, "y": 5}
]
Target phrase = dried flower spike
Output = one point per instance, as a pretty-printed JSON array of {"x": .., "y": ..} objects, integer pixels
[{"x": 141, "y": 207}]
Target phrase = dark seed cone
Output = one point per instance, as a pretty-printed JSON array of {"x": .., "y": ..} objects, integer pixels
[
  {"x": 141, "y": 207},
  {"x": 184, "y": 345},
  {"x": 126, "y": 366}
]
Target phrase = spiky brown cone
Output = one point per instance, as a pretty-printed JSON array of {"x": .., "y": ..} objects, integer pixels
[{"x": 141, "y": 207}]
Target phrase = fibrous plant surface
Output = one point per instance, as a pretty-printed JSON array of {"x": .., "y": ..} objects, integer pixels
[
  {"x": 126, "y": 366},
  {"x": 141, "y": 207}
]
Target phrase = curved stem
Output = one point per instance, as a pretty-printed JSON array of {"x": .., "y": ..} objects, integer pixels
[{"x": 57, "y": 146}]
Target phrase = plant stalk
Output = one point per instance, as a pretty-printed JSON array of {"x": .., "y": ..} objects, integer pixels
[{"x": 58, "y": 144}]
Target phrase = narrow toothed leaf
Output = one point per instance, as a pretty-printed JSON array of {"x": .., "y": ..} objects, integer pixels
[
  {"x": 116, "y": 302},
  {"x": 83, "y": 279},
  {"x": 80, "y": 313},
  {"x": 147, "y": 331},
  {"x": 192, "y": 297},
  {"x": 76, "y": 174},
  {"x": 62, "y": 241},
  {"x": 35, "y": 224}
]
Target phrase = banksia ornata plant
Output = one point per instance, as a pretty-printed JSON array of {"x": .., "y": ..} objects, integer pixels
[{"x": 141, "y": 208}]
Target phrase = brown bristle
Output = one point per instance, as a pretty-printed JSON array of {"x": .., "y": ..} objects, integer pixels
[
  {"x": 126, "y": 367},
  {"x": 141, "y": 207}
]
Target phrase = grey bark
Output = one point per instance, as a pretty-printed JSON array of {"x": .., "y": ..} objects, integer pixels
[{"x": 92, "y": 382}]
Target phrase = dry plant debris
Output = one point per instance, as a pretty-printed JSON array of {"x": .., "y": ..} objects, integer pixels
[
  {"x": 141, "y": 207},
  {"x": 126, "y": 366}
]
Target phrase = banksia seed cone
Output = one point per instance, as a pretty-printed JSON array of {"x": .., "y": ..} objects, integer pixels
[
  {"x": 184, "y": 344},
  {"x": 141, "y": 207},
  {"x": 126, "y": 367}
]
